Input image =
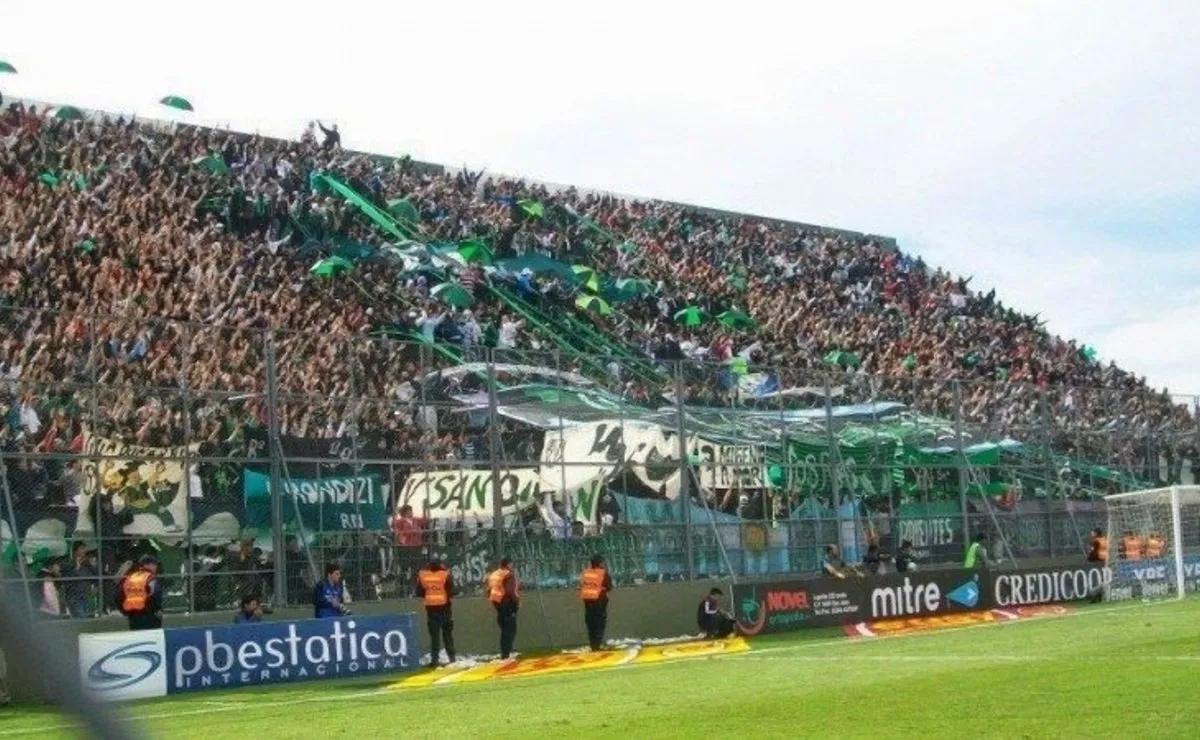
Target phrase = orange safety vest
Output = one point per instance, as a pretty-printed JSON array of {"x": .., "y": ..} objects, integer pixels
[
  {"x": 1154, "y": 547},
  {"x": 434, "y": 584},
  {"x": 1132, "y": 547},
  {"x": 1102, "y": 548},
  {"x": 135, "y": 590},
  {"x": 591, "y": 584},
  {"x": 495, "y": 584}
]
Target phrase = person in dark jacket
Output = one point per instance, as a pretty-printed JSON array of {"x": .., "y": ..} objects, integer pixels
[
  {"x": 251, "y": 611},
  {"x": 329, "y": 595},
  {"x": 714, "y": 621}
]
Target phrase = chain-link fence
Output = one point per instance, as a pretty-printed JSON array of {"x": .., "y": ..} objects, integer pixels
[{"x": 247, "y": 459}]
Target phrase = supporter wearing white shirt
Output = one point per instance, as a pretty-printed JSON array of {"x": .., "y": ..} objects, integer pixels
[{"x": 508, "y": 332}]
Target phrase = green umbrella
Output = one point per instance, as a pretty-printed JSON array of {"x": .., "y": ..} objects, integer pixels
[
  {"x": 214, "y": 163},
  {"x": 49, "y": 179},
  {"x": 174, "y": 101},
  {"x": 475, "y": 252},
  {"x": 910, "y": 361},
  {"x": 690, "y": 316},
  {"x": 87, "y": 246},
  {"x": 594, "y": 303},
  {"x": 838, "y": 357},
  {"x": 1089, "y": 353},
  {"x": 68, "y": 113},
  {"x": 404, "y": 212},
  {"x": 532, "y": 208},
  {"x": 634, "y": 287},
  {"x": 735, "y": 319},
  {"x": 588, "y": 276},
  {"x": 331, "y": 267},
  {"x": 6, "y": 67},
  {"x": 453, "y": 294}
]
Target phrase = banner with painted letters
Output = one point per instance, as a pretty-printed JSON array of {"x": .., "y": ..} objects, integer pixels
[
  {"x": 324, "y": 504},
  {"x": 152, "y": 483}
]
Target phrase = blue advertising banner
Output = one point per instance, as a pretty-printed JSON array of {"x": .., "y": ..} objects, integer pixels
[{"x": 157, "y": 662}]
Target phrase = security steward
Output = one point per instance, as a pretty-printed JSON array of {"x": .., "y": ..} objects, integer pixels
[
  {"x": 139, "y": 596},
  {"x": 1131, "y": 546},
  {"x": 435, "y": 586},
  {"x": 504, "y": 593},
  {"x": 1155, "y": 546},
  {"x": 1098, "y": 554},
  {"x": 594, "y": 585}
]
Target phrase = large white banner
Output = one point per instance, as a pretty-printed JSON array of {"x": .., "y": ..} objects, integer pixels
[
  {"x": 577, "y": 463},
  {"x": 153, "y": 483}
]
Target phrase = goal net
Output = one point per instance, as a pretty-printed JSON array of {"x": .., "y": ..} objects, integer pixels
[{"x": 1154, "y": 543}]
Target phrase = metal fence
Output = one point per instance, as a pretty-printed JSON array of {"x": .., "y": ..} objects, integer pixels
[{"x": 246, "y": 459}]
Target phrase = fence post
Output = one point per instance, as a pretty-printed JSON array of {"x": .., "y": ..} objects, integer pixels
[
  {"x": 685, "y": 474},
  {"x": 961, "y": 460},
  {"x": 275, "y": 449},
  {"x": 494, "y": 449},
  {"x": 189, "y": 550},
  {"x": 834, "y": 465}
]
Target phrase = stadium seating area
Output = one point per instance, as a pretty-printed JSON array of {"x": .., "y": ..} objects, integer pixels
[{"x": 137, "y": 225}]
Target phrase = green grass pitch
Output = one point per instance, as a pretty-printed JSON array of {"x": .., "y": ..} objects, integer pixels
[{"x": 1108, "y": 671}]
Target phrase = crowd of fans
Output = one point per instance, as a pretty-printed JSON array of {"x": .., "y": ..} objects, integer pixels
[{"x": 160, "y": 284}]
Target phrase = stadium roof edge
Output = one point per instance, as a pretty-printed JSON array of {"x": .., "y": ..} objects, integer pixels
[{"x": 194, "y": 120}]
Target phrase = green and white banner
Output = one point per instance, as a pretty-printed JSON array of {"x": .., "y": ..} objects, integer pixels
[{"x": 325, "y": 504}]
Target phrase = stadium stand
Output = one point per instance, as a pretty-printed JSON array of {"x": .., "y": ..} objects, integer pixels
[{"x": 143, "y": 266}]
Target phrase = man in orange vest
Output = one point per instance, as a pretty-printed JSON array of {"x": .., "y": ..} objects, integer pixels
[
  {"x": 1099, "y": 550},
  {"x": 1155, "y": 546},
  {"x": 435, "y": 586},
  {"x": 504, "y": 593},
  {"x": 594, "y": 585},
  {"x": 1131, "y": 546},
  {"x": 1098, "y": 553},
  {"x": 139, "y": 596}
]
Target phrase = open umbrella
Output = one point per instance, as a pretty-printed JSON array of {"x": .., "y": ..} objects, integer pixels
[
  {"x": 7, "y": 68},
  {"x": 588, "y": 276},
  {"x": 176, "y": 102},
  {"x": 404, "y": 212},
  {"x": 214, "y": 163},
  {"x": 331, "y": 267},
  {"x": 735, "y": 319},
  {"x": 453, "y": 294},
  {"x": 690, "y": 316},
  {"x": 475, "y": 252},
  {"x": 594, "y": 303},
  {"x": 68, "y": 113},
  {"x": 634, "y": 287},
  {"x": 532, "y": 208}
]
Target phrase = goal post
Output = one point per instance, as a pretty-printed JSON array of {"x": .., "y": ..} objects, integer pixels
[{"x": 1154, "y": 542}]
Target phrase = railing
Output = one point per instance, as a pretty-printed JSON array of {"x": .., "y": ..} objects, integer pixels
[{"x": 246, "y": 459}]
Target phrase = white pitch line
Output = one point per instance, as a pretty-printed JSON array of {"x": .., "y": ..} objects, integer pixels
[{"x": 754, "y": 652}]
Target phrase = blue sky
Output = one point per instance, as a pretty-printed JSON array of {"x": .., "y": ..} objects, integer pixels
[{"x": 1048, "y": 149}]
